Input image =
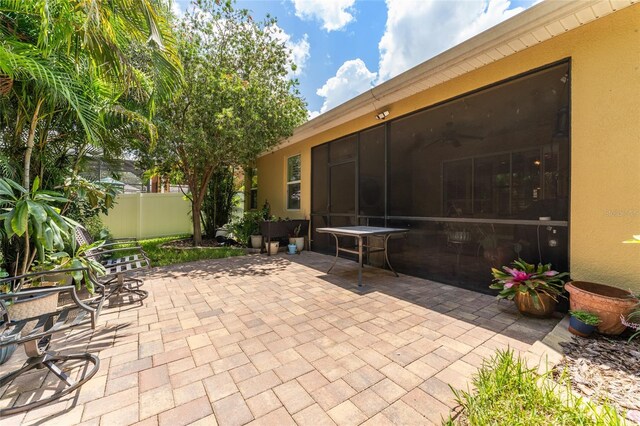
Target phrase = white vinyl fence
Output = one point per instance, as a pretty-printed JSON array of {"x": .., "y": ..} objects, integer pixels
[{"x": 148, "y": 215}]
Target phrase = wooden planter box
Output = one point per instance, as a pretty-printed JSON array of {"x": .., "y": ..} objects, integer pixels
[{"x": 282, "y": 229}]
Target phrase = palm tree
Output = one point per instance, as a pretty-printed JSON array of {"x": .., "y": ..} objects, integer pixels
[
  {"x": 90, "y": 62},
  {"x": 57, "y": 55}
]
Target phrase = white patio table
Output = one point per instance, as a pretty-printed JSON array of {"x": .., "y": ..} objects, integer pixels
[{"x": 360, "y": 233}]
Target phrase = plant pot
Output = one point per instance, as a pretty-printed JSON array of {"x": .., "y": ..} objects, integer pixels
[
  {"x": 526, "y": 305},
  {"x": 6, "y": 352},
  {"x": 273, "y": 248},
  {"x": 298, "y": 241},
  {"x": 579, "y": 328},
  {"x": 32, "y": 307},
  {"x": 292, "y": 248},
  {"x": 609, "y": 303},
  {"x": 59, "y": 278},
  {"x": 256, "y": 241}
]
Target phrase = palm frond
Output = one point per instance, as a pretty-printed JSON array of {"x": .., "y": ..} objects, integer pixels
[{"x": 21, "y": 61}]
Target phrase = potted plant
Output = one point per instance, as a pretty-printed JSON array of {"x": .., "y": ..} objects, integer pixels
[
  {"x": 256, "y": 240},
  {"x": 247, "y": 230},
  {"x": 296, "y": 239},
  {"x": 77, "y": 257},
  {"x": 52, "y": 276},
  {"x": 253, "y": 224},
  {"x": 293, "y": 249},
  {"x": 610, "y": 303},
  {"x": 583, "y": 323},
  {"x": 5, "y": 351},
  {"x": 535, "y": 289},
  {"x": 31, "y": 215}
]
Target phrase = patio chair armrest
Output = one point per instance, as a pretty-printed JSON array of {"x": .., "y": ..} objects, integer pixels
[
  {"x": 124, "y": 240},
  {"x": 123, "y": 244},
  {"x": 32, "y": 276},
  {"x": 115, "y": 250}
]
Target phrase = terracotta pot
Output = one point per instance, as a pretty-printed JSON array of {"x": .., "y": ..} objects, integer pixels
[
  {"x": 56, "y": 278},
  {"x": 606, "y": 301},
  {"x": 527, "y": 306}
]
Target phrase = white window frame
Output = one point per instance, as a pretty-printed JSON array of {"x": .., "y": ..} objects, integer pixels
[{"x": 293, "y": 182}]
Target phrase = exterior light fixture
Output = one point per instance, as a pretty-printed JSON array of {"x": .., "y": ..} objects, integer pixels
[{"x": 382, "y": 115}]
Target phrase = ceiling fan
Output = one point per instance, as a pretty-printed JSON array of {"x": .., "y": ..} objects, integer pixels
[{"x": 451, "y": 136}]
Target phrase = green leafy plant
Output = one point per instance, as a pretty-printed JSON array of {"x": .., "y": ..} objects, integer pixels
[
  {"x": 509, "y": 392},
  {"x": 32, "y": 215},
  {"x": 161, "y": 255},
  {"x": 237, "y": 100},
  {"x": 219, "y": 202},
  {"x": 529, "y": 279},
  {"x": 631, "y": 319},
  {"x": 296, "y": 231},
  {"x": 586, "y": 317},
  {"x": 97, "y": 197},
  {"x": 3, "y": 274},
  {"x": 247, "y": 226},
  {"x": 77, "y": 257}
]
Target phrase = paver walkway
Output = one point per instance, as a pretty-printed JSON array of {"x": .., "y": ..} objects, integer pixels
[{"x": 276, "y": 341}]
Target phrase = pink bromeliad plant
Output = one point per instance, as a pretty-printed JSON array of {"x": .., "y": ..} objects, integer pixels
[{"x": 523, "y": 277}]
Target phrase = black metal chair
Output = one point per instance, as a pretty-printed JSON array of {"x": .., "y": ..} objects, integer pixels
[
  {"x": 119, "y": 270},
  {"x": 54, "y": 314}
]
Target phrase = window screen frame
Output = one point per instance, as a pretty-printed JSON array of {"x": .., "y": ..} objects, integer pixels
[{"x": 289, "y": 183}]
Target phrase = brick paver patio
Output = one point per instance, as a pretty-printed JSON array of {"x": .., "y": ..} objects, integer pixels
[{"x": 276, "y": 341}]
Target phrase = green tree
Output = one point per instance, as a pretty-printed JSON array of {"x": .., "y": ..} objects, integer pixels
[
  {"x": 218, "y": 204},
  {"x": 237, "y": 100},
  {"x": 70, "y": 73},
  {"x": 60, "y": 56}
]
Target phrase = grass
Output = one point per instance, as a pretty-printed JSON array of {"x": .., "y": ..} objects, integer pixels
[
  {"x": 508, "y": 392},
  {"x": 162, "y": 256}
]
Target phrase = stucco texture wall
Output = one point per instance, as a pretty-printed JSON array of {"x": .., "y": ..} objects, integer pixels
[
  {"x": 149, "y": 215},
  {"x": 605, "y": 141}
]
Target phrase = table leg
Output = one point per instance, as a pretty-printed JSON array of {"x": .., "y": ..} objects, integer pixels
[
  {"x": 386, "y": 256},
  {"x": 359, "y": 261},
  {"x": 337, "y": 251}
]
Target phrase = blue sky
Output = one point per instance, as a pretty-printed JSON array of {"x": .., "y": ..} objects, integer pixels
[{"x": 345, "y": 47}]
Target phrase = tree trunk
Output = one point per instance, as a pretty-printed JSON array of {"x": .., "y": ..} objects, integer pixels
[
  {"x": 25, "y": 260},
  {"x": 30, "y": 142},
  {"x": 247, "y": 188},
  {"x": 197, "y": 223}
]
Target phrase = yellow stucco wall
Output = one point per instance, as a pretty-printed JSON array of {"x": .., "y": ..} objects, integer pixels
[
  {"x": 149, "y": 215},
  {"x": 605, "y": 142}
]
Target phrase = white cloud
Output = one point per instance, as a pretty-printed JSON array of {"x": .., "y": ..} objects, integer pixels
[
  {"x": 417, "y": 30},
  {"x": 299, "y": 50},
  {"x": 176, "y": 9},
  {"x": 351, "y": 79},
  {"x": 334, "y": 14},
  {"x": 312, "y": 114}
]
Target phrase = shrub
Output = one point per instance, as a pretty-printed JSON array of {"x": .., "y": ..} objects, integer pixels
[{"x": 508, "y": 392}]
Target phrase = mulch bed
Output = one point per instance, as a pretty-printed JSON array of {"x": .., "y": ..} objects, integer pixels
[{"x": 605, "y": 369}]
